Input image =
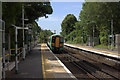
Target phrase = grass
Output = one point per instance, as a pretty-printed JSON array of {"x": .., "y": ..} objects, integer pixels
[
  {"x": 97, "y": 46},
  {"x": 71, "y": 42},
  {"x": 104, "y": 47},
  {"x": 101, "y": 46}
]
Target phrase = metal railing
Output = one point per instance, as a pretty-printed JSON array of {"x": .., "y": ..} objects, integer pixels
[{"x": 9, "y": 55}]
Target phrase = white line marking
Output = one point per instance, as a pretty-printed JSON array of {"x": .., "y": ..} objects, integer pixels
[{"x": 111, "y": 55}]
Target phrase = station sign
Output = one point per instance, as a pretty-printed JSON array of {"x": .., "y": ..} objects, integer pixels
[
  {"x": 29, "y": 37},
  {"x": 111, "y": 35},
  {"x": 29, "y": 31},
  {"x": 22, "y": 27}
]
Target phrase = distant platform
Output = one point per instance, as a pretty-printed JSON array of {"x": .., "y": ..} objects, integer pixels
[{"x": 108, "y": 53}]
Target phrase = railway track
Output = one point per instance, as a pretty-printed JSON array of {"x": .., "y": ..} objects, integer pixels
[
  {"x": 92, "y": 68},
  {"x": 77, "y": 71}
]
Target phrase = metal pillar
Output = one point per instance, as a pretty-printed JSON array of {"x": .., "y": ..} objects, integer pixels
[
  {"x": 16, "y": 57},
  {"x": 23, "y": 31},
  {"x": 108, "y": 42},
  {"x": 0, "y": 50},
  {"x": 29, "y": 46},
  {"x": 112, "y": 43},
  {"x": 3, "y": 50},
  {"x": 93, "y": 36},
  {"x": 0, "y": 40}
]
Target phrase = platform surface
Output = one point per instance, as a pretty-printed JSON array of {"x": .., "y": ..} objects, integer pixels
[
  {"x": 30, "y": 67},
  {"x": 96, "y": 50},
  {"x": 42, "y": 63}
]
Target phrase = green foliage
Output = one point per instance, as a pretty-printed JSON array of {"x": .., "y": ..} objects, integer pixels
[
  {"x": 78, "y": 39},
  {"x": 95, "y": 16},
  {"x": 12, "y": 14},
  {"x": 37, "y": 10},
  {"x": 71, "y": 36},
  {"x": 44, "y": 34},
  {"x": 104, "y": 35},
  {"x": 101, "y": 46},
  {"x": 68, "y": 24}
]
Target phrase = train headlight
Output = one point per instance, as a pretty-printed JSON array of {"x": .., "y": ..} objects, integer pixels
[
  {"x": 53, "y": 44},
  {"x": 60, "y": 45}
]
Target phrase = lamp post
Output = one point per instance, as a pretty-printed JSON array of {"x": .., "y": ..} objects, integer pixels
[
  {"x": 23, "y": 31},
  {"x": 112, "y": 43},
  {"x": 93, "y": 36},
  {"x": 93, "y": 41},
  {"x": 24, "y": 53}
]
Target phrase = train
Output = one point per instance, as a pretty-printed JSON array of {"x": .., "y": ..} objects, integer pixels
[{"x": 56, "y": 42}]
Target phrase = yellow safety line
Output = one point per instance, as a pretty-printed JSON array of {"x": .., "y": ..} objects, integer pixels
[
  {"x": 43, "y": 65},
  {"x": 97, "y": 50}
]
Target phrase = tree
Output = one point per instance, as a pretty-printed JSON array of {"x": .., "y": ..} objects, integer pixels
[
  {"x": 44, "y": 34},
  {"x": 68, "y": 24},
  {"x": 99, "y": 16},
  {"x": 94, "y": 16},
  {"x": 37, "y": 10},
  {"x": 12, "y": 14}
]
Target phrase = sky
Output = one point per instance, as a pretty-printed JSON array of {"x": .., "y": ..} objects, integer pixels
[{"x": 60, "y": 10}]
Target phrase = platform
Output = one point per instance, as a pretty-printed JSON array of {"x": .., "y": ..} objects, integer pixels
[
  {"x": 41, "y": 63},
  {"x": 104, "y": 52}
]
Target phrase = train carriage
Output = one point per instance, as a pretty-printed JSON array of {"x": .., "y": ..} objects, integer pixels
[{"x": 56, "y": 42}]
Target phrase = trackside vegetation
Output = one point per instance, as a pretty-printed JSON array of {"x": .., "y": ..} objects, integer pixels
[{"x": 95, "y": 17}]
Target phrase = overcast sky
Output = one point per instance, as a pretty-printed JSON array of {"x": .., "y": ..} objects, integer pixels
[{"x": 60, "y": 10}]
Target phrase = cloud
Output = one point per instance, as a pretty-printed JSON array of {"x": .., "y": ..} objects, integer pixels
[{"x": 50, "y": 18}]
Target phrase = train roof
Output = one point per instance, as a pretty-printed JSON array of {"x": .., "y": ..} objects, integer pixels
[{"x": 56, "y": 35}]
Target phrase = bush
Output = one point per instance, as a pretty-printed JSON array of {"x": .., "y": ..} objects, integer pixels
[
  {"x": 103, "y": 37},
  {"x": 78, "y": 40}
]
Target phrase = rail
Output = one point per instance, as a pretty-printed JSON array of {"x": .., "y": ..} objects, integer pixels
[{"x": 89, "y": 65}]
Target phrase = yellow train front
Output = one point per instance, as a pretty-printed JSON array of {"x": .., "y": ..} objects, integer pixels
[{"x": 56, "y": 42}]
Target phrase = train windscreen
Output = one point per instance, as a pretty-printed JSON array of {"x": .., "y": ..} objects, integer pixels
[
  {"x": 61, "y": 40},
  {"x": 53, "y": 39}
]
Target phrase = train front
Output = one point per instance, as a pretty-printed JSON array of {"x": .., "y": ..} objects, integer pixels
[{"x": 57, "y": 43}]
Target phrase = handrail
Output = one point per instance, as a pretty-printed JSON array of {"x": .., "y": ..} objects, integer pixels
[
  {"x": 17, "y": 49},
  {"x": 11, "y": 54},
  {"x": 5, "y": 56}
]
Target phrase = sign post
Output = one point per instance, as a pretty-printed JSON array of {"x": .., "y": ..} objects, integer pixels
[{"x": 112, "y": 41}]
